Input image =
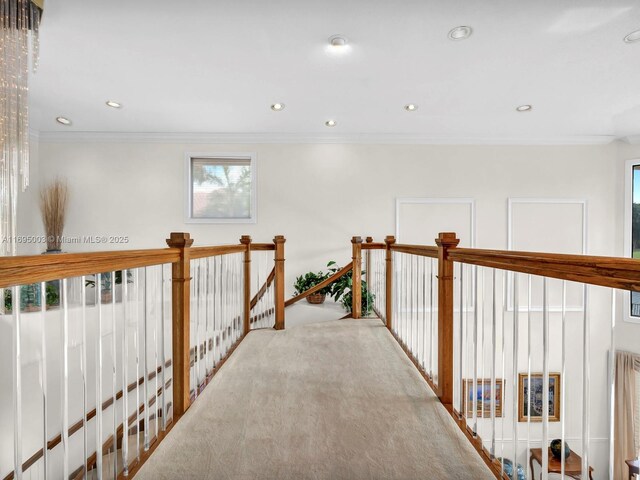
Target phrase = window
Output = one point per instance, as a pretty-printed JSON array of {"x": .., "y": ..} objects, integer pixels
[
  {"x": 221, "y": 188},
  {"x": 632, "y": 232}
]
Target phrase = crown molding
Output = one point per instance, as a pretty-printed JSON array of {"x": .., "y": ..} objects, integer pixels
[{"x": 293, "y": 138}]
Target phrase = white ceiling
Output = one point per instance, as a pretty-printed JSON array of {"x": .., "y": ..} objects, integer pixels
[{"x": 215, "y": 67}]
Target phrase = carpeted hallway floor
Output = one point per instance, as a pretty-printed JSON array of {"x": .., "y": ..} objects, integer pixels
[{"x": 329, "y": 400}]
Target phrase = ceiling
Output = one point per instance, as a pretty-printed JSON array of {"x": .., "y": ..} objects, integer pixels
[{"x": 208, "y": 67}]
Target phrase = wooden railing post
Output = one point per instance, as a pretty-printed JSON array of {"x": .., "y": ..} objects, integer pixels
[
  {"x": 445, "y": 242},
  {"x": 356, "y": 278},
  {"x": 279, "y": 281},
  {"x": 389, "y": 240},
  {"x": 246, "y": 240},
  {"x": 180, "y": 301}
]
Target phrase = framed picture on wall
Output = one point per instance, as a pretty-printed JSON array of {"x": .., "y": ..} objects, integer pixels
[
  {"x": 537, "y": 397},
  {"x": 483, "y": 394}
]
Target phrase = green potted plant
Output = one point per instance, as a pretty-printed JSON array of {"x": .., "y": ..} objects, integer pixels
[
  {"x": 30, "y": 296},
  {"x": 340, "y": 290},
  {"x": 106, "y": 290},
  {"x": 310, "y": 280}
]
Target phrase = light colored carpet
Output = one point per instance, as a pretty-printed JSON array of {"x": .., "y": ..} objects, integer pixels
[{"x": 329, "y": 400}]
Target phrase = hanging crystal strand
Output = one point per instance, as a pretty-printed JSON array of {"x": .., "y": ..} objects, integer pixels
[
  {"x": 612, "y": 391},
  {"x": 529, "y": 333},
  {"x": 514, "y": 384},
  {"x": 545, "y": 379},
  {"x": 99, "y": 359},
  {"x": 475, "y": 352},
  {"x": 586, "y": 371},
  {"x": 564, "y": 373},
  {"x": 17, "y": 384},
  {"x": 493, "y": 363},
  {"x": 20, "y": 19}
]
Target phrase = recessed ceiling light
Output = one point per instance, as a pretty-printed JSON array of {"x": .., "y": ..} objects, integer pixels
[
  {"x": 338, "y": 41},
  {"x": 410, "y": 107},
  {"x": 524, "y": 108},
  {"x": 460, "y": 33},
  {"x": 63, "y": 121},
  {"x": 330, "y": 123},
  {"x": 632, "y": 37},
  {"x": 112, "y": 104},
  {"x": 276, "y": 107}
]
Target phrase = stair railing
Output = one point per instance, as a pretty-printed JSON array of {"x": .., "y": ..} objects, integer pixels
[
  {"x": 142, "y": 331},
  {"x": 489, "y": 328}
]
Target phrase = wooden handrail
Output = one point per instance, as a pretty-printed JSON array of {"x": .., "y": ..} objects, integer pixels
[
  {"x": 343, "y": 271},
  {"x": 28, "y": 269},
  {"x": 264, "y": 288},
  {"x": 374, "y": 246},
  {"x": 614, "y": 272},
  {"x": 203, "y": 252},
  {"x": 262, "y": 247},
  {"x": 422, "y": 250}
]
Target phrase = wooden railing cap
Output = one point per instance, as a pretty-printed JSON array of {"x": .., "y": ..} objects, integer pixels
[
  {"x": 179, "y": 240},
  {"x": 279, "y": 239},
  {"x": 245, "y": 239},
  {"x": 447, "y": 240},
  {"x": 369, "y": 240},
  {"x": 356, "y": 240},
  {"x": 390, "y": 240}
]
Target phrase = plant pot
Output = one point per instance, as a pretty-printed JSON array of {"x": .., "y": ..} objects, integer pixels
[
  {"x": 106, "y": 297},
  {"x": 316, "y": 298}
]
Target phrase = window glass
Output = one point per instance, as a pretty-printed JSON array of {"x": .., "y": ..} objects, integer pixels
[{"x": 221, "y": 188}]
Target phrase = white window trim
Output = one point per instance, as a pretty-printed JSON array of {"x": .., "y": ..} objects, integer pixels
[
  {"x": 188, "y": 185},
  {"x": 628, "y": 199}
]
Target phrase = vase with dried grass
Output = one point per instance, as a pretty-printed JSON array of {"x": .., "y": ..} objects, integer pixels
[{"x": 54, "y": 199}]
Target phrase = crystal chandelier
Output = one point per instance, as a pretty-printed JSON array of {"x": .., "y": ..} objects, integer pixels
[{"x": 19, "y": 37}]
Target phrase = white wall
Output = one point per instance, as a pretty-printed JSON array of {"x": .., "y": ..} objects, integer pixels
[{"x": 319, "y": 195}]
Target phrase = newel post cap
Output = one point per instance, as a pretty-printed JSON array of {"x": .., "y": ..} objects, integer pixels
[
  {"x": 390, "y": 240},
  {"x": 447, "y": 240},
  {"x": 279, "y": 239},
  {"x": 369, "y": 240},
  {"x": 245, "y": 239},
  {"x": 355, "y": 240},
  {"x": 179, "y": 240}
]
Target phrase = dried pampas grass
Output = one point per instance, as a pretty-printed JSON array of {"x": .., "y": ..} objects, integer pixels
[{"x": 54, "y": 199}]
